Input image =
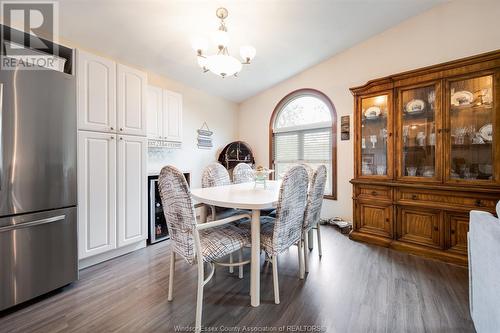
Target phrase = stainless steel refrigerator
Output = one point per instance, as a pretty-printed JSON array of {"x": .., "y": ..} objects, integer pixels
[{"x": 38, "y": 231}]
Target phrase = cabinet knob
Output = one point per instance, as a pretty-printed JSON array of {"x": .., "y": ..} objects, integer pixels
[
  {"x": 387, "y": 220},
  {"x": 452, "y": 231},
  {"x": 436, "y": 228},
  {"x": 440, "y": 130},
  {"x": 121, "y": 138},
  {"x": 121, "y": 129},
  {"x": 478, "y": 203},
  {"x": 414, "y": 197},
  {"x": 389, "y": 134},
  {"x": 111, "y": 128},
  {"x": 112, "y": 137},
  {"x": 374, "y": 192}
]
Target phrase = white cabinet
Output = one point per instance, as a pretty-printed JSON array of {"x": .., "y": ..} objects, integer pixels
[
  {"x": 96, "y": 193},
  {"x": 155, "y": 109},
  {"x": 164, "y": 114},
  {"x": 96, "y": 85},
  {"x": 132, "y": 189},
  {"x": 112, "y": 157},
  {"x": 131, "y": 100},
  {"x": 172, "y": 115}
]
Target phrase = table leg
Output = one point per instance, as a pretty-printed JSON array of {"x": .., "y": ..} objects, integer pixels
[
  {"x": 203, "y": 214},
  {"x": 255, "y": 262},
  {"x": 310, "y": 236}
]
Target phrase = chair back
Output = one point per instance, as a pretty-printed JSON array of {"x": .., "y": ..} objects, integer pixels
[
  {"x": 215, "y": 174},
  {"x": 315, "y": 197},
  {"x": 242, "y": 173},
  {"x": 179, "y": 211},
  {"x": 290, "y": 210},
  {"x": 310, "y": 171}
]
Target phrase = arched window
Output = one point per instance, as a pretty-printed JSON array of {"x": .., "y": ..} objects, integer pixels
[{"x": 303, "y": 130}]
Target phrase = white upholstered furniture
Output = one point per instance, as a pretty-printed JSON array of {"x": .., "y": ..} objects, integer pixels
[{"x": 484, "y": 270}]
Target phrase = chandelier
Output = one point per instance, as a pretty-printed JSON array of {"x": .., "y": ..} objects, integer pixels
[{"x": 222, "y": 63}]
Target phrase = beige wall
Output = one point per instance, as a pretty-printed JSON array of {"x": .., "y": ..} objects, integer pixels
[{"x": 450, "y": 31}]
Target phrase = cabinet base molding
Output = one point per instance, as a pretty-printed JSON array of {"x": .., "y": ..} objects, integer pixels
[
  {"x": 371, "y": 239},
  {"x": 409, "y": 248},
  {"x": 94, "y": 260}
]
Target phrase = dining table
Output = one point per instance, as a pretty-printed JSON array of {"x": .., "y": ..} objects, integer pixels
[{"x": 247, "y": 196}]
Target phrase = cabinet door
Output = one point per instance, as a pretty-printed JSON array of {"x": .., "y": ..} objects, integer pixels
[
  {"x": 472, "y": 153},
  {"x": 418, "y": 133},
  {"x": 131, "y": 104},
  {"x": 155, "y": 110},
  {"x": 422, "y": 226},
  {"x": 172, "y": 116},
  {"x": 375, "y": 142},
  {"x": 132, "y": 189},
  {"x": 96, "y": 193},
  {"x": 96, "y": 77},
  {"x": 375, "y": 218},
  {"x": 457, "y": 227}
]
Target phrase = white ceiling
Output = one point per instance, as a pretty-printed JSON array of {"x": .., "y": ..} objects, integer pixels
[{"x": 289, "y": 35}]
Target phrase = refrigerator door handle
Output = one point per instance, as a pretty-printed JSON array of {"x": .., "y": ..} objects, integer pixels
[
  {"x": 1, "y": 135},
  {"x": 33, "y": 223}
]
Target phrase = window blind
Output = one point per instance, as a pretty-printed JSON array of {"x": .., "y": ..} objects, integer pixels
[{"x": 310, "y": 146}]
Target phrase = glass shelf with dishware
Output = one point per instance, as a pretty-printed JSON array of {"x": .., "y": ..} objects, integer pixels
[
  {"x": 374, "y": 136},
  {"x": 418, "y": 129},
  {"x": 471, "y": 129}
]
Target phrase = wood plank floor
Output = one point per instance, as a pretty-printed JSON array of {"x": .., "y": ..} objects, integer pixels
[{"x": 354, "y": 288}]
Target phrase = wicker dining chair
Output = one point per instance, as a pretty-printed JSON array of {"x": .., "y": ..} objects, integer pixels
[
  {"x": 243, "y": 173},
  {"x": 197, "y": 243},
  {"x": 279, "y": 233},
  {"x": 313, "y": 210}
]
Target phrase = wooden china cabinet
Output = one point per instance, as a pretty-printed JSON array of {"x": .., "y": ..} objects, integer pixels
[{"x": 427, "y": 151}]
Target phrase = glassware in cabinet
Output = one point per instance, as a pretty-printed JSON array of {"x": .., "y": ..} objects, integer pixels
[
  {"x": 471, "y": 129},
  {"x": 374, "y": 135},
  {"x": 419, "y": 121}
]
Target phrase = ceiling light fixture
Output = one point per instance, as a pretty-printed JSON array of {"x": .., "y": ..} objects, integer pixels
[{"x": 221, "y": 63}]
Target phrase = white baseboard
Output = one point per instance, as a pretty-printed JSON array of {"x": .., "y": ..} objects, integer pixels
[{"x": 91, "y": 261}]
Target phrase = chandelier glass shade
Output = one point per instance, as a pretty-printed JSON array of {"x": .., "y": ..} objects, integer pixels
[{"x": 221, "y": 63}]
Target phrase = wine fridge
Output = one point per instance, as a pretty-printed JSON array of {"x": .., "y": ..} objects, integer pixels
[{"x": 158, "y": 230}]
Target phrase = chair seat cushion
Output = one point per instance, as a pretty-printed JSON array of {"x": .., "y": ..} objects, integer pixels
[
  {"x": 222, "y": 213},
  {"x": 220, "y": 241}
]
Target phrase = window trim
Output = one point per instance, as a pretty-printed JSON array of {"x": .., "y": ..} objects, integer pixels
[{"x": 323, "y": 97}]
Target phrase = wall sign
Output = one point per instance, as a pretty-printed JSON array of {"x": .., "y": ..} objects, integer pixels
[{"x": 345, "y": 128}]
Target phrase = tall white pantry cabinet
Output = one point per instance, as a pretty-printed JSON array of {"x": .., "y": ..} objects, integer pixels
[{"x": 112, "y": 158}]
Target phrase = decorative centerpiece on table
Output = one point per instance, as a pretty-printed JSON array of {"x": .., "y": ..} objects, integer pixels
[{"x": 261, "y": 174}]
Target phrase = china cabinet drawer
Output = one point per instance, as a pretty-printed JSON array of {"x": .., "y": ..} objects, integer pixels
[
  {"x": 449, "y": 199},
  {"x": 374, "y": 192}
]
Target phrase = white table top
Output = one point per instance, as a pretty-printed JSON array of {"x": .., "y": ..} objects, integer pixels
[{"x": 243, "y": 196}]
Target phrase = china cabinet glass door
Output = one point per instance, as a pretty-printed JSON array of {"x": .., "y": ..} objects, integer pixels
[
  {"x": 375, "y": 132},
  {"x": 419, "y": 146},
  {"x": 471, "y": 130}
]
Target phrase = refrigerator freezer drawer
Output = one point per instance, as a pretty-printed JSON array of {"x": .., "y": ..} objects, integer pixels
[{"x": 38, "y": 253}]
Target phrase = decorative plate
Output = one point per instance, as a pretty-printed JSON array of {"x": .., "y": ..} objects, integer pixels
[
  {"x": 372, "y": 112},
  {"x": 461, "y": 98},
  {"x": 486, "y": 132},
  {"x": 415, "y": 106}
]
